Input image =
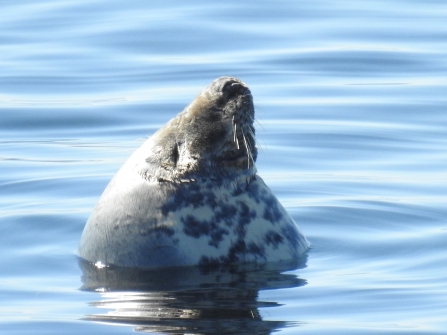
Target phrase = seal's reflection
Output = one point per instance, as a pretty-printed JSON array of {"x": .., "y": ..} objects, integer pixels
[{"x": 193, "y": 300}]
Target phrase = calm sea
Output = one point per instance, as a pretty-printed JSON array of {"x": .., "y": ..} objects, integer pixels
[{"x": 351, "y": 103}]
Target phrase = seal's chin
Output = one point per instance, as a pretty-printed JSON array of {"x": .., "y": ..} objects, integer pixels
[
  {"x": 235, "y": 159},
  {"x": 235, "y": 156}
]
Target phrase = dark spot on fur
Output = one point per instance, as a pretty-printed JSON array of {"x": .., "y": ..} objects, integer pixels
[
  {"x": 209, "y": 199},
  {"x": 225, "y": 213},
  {"x": 217, "y": 234},
  {"x": 255, "y": 249},
  {"x": 236, "y": 252},
  {"x": 273, "y": 238},
  {"x": 272, "y": 211},
  {"x": 239, "y": 251},
  {"x": 291, "y": 234},
  {"x": 163, "y": 230},
  {"x": 196, "y": 199},
  {"x": 237, "y": 191},
  {"x": 254, "y": 192},
  {"x": 198, "y": 228},
  {"x": 245, "y": 214},
  {"x": 185, "y": 196},
  {"x": 195, "y": 228},
  {"x": 158, "y": 231}
]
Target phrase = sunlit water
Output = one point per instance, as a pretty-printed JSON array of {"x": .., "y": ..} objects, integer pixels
[{"x": 352, "y": 126}]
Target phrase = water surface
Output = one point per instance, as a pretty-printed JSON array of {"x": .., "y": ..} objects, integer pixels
[{"x": 352, "y": 129}]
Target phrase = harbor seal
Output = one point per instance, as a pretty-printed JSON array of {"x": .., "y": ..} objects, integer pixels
[{"x": 190, "y": 194}]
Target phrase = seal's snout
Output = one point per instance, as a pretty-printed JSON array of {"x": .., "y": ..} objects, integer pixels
[
  {"x": 230, "y": 86},
  {"x": 233, "y": 88}
]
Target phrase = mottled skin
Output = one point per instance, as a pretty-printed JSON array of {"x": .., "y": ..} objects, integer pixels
[{"x": 190, "y": 194}]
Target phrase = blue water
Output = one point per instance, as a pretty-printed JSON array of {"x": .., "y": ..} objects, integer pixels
[{"x": 351, "y": 110}]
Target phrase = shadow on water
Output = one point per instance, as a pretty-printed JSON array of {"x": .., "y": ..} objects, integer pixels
[{"x": 193, "y": 300}]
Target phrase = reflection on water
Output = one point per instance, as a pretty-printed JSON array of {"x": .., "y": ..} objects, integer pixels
[{"x": 192, "y": 300}]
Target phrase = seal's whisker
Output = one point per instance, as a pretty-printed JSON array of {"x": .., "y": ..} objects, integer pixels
[
  {"x": 247, "y": 146},
  {"x": 252, "y": 134},
  {"x": 235, "y": 136},
  {"x": 248, "y": 155},
  {"x": 259, "y": 124},
  {"x": 234, "y": 129}
]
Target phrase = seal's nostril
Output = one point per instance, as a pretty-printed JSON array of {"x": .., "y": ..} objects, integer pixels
[
  {"x": 239, "y": 88},
  {"x": 230, "y": 89},
  {"x": 228, "y": 86}
]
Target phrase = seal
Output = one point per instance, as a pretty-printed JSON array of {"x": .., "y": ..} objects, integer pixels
[{"x": 190, "y": 195}]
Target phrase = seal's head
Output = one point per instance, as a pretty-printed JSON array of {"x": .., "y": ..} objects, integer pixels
[{"x": 212, "y": 138}]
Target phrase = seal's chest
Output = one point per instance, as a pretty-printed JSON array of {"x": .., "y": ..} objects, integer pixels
[{"x": 215, "y": 225}]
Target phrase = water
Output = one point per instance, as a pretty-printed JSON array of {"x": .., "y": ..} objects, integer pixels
[{"x": 352, "y": 127}]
